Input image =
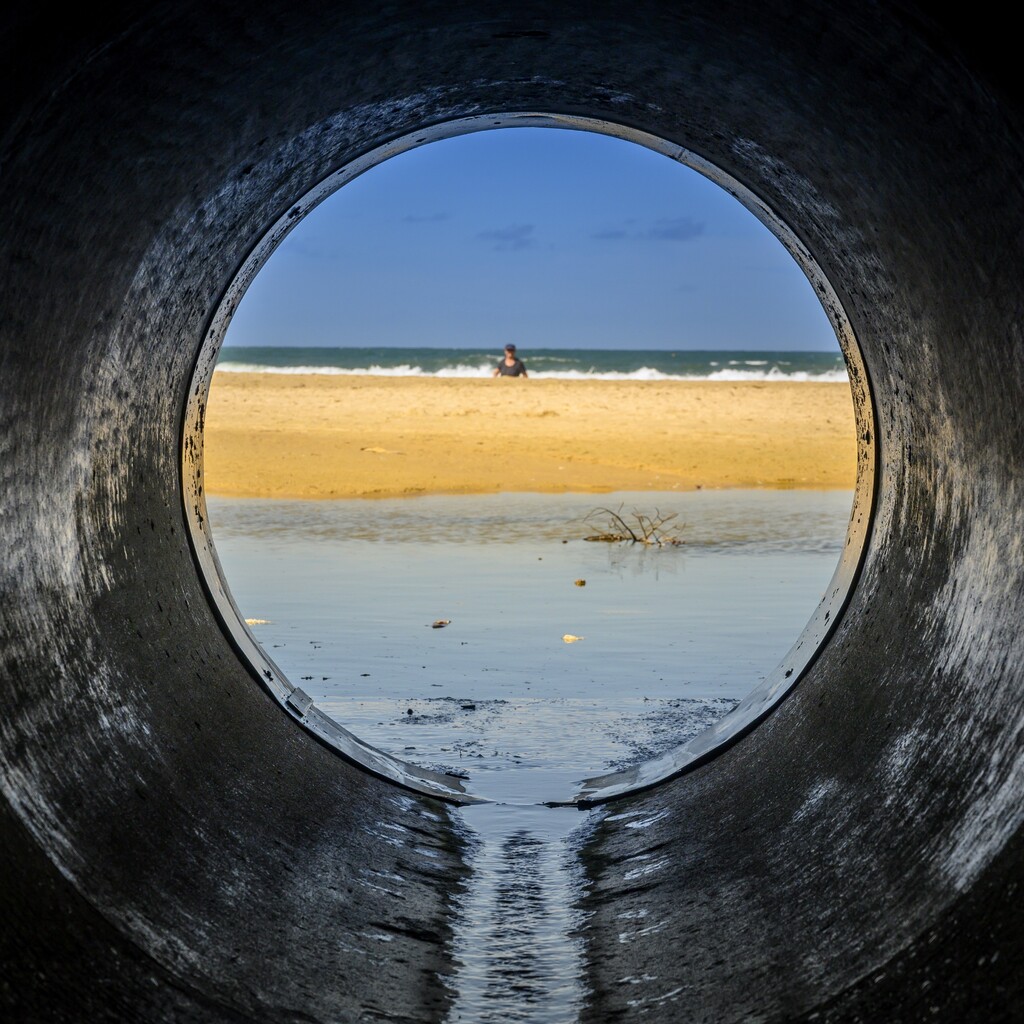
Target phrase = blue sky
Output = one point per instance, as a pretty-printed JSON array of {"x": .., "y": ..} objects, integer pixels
[{"x": 552, "y": 238}]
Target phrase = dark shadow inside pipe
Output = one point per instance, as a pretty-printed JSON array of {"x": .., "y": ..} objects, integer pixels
[{"x": 177, "y": 848}]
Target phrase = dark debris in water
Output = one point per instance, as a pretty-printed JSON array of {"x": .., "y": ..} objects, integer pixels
[
  {"x": 670, "y": 724},
  {"x": 442, "y": 710}
]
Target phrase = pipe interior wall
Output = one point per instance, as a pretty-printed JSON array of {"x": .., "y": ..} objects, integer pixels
[{"x": 175, "y": 848}]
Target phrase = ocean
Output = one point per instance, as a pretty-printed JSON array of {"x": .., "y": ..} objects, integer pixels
[{"x": 567, "y": 364}]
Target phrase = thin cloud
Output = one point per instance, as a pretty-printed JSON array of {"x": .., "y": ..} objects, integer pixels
[
  {"x": 675, "y": 229},
  {"x": 668, "y": 229},
  {"x": 515, "y": 236},
  {"x": 425, "y": 218},
  {"x": 314, "y": 249}
]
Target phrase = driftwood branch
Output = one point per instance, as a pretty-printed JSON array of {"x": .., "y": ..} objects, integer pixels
[{"x": 648, "y": 528}]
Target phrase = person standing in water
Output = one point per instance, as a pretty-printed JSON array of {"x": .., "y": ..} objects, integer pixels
[{"x": 511, "y": 365}]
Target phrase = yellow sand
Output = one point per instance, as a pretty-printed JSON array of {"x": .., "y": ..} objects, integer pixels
[{"x": 318, "y": 436}]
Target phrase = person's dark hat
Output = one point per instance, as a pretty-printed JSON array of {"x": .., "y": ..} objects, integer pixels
[{"x": 510, "y": 348}]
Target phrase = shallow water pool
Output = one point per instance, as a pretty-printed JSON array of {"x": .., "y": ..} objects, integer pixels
[{"x": 349, "y": 597}]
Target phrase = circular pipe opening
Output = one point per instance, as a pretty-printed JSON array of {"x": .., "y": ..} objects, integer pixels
[{"x": 598, "y": 789}]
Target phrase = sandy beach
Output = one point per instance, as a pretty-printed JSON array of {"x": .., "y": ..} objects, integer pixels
[{"x": 340, "y": 436}]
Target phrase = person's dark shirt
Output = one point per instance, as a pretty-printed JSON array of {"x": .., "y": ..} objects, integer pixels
[{"x": 517, "y": 369}]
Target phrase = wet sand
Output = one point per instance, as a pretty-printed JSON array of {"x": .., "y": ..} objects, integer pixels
[{"x": 324, "y": 436}]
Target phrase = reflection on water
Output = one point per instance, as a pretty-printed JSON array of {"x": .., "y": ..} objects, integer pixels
[
  {"x": 347, "y": 594},
  {"x": 761, "y": 521}
]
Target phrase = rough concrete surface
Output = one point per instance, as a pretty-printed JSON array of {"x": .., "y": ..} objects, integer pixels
[{"x": 173, "y": 847}]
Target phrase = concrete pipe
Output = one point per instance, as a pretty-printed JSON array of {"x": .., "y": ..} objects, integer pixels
[{"x": 176, "y": 844}]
